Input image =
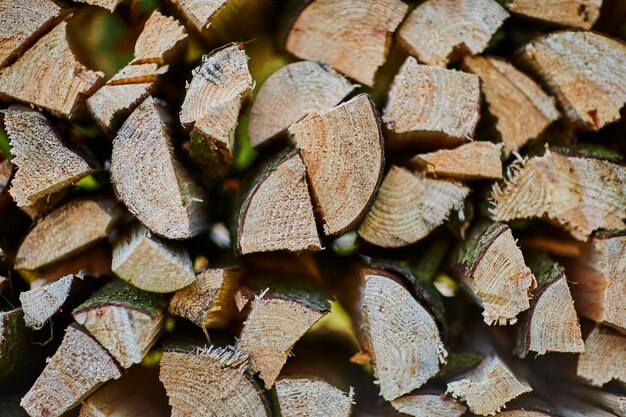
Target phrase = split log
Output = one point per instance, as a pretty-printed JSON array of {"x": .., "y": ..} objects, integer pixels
[
  {"x": 510, "y": 93},
  {"x": 353, "y": 37},
  {"x": 209, "y": 301},
  {"x": 66, "y": 231},
  {"x": 492, "y": 269},
  {"x": 582, "y": 69},
  {"x": 110, "y": 5},
  {"x": 612, "y": 402},
  {"x": 473, "y": 161},
  {"x": 290, "y": 94},
  {"x": 580, "y": 192},
  {"x": 48, "y": 75},
  {"x": 149, "y": 179},
  {"x": 112, "y": 103},
  {"x": 441, "y": 32},
  {"x": 343, "y": 152},
  {"x": 278, "y": 318},
  {"x": 126, "y": 321},
  {"x": 44, "y": 164},
  {"x": 24, "y": 23},
  {"x": 78, "y": 368},
  {"x": 211, "y": 381},
  {"x": 432, "y": 104},
  {"x": 150, "y": 263},
  {"x": 42, "y": 303},
  {"x": 575, "y": 13},
  {"x": 13, "y": 340},
  {"x": 311, "y": 397},
  {"x": 427, "y": 403},
  {"x": 604, "y": 358},
  {"x": 211, "y": 108},
  {"x": 397, "y": 332},
  {"x": 408, "y": 207},
  {"x": 278, "y": 214},
  {"x": 599, "y": 274},
  {"x": 489, "y": 387},
  {"x": 551, "y": 324}
]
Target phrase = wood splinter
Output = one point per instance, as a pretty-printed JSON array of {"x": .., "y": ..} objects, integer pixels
[
  {"x": 42, "y": 303},
  {"x": 408, "y": 207},
  {"x": 311, "y": 397},
  {"x": 575, "y": 13},
  {"x": 604, "y": 358}
]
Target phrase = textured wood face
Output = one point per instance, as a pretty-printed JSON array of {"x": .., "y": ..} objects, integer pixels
[
  {"x": 604, "y": 357},
  {"x": 199, "y": 12},
  {"x": 435, "y": 405},
  {"x": 472, "y": 161},
  {"x": 107, "y": 4},
  {"x": 352, "y": 36},
  {"x": 576, "y": 13},
  {"x": 311, "y": 397},
  {"x": 42, "y": 303}
]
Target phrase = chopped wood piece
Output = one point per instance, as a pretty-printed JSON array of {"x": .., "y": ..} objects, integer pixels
[
  {"x": 578, "y": 192},
  {"x": 211, "y": 381},
  {"x": 23, "y": 23},
  {"x": 125, "y": 320},
  {"x": 150, "y": 263},
  {"x": 277, "y": 320},
  {"x": 211, "y": 108},
  {"x": 42, "y": 303},
  {"x": 199, "y": 13},
  {"x": 408, "y": 207},
  {"x": 278, "y": 214},
  {"x": 45, "y": 165},
  {"x": 599, "y": 274},
  {"x": 13, "y": 338},
  {"x": 112, "y": 103},
  {"x": 343, "y": 152},
  {"x": 352, "y": 36},
  {"x": 604, "y": 358},
  {"x": 428, "y": 102},
  {"x": 149, "y": 179},
  {"x": 210, "y": 300},
  {"x": 78, "y": 368},
  {"x": 489, "y": 387},
  {"x": 576, "y": 13},
  {"x": 291, "y": 93},
  {"x": 398, "y": 333},
  {"x": 67, "y": 230},
  {"x": 609, "y": 401},
  {"x": 491, "y": 267},
  {"x": 49, "y": 76},
  {"x": 439, "y": 32},
  {"x": 584, "y": 71},
  {"x": 472, "y": 161},
  {"x": 551, "y": 324},
  {"x": 107, "y": 4},
  {"x": 428, "y": 403},
  {"x": 523, "y": 110},
  {"x": 311, "y": 397}
]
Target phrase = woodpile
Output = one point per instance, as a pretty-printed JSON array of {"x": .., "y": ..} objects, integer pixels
[{"x": 324, "y": 208}]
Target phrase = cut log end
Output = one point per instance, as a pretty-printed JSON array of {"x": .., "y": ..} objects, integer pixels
[
  {"x": 575, "y": 13},
  {"x": 110, "y": 5},
  {"x": 427, "y": 403},
  {"x": 309, "y": 396},
  {"x": 42, "y": 303},
  {"x": 604, "y": 358}
]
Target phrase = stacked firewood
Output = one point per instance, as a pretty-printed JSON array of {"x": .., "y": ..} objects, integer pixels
[{"x": 312, "y": 208}]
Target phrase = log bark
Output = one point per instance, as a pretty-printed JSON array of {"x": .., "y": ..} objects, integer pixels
[
  {"x": 604, "y": 358},
  {"x": 441, "y": 32},
  {"x": 491, "y": 268},
  {"x": 113, "y": 102},
  {"x": 125, "y": 320},
  {"x": 48, "y": 75},
  {"x": 214, "y": 98},
  {"x": 211, "y": 381},
  {"x": 290, "y": 94},
  {"x": 23, "y": 24},
  {"x": 13, "y": 340},
  {"x": 408, "y": 207},
  {"x": 277, "y": 213},
  {"x": 489, "y": 387},
  {"x": 429, "y": 104},
  {"x": 510, "y": 93},
  {"x": 78, "y": 368},
  {"x": 575, "y": 13},
  {"x": 353, "y": 37},
  {"x": 473, "y": 161},
  {"x": 150, "y": 263},
  {"x": 40, "y": 304},
  {"x": 581, "y": 69},
  {"x": 427, "y": 403},
  {"x": 66, "y": 231},
  {"x": 209, "y": 302},
  {"x": 45, "y": 165},
  {"x": 149, "y": 179},
  {"x": 311, "y": 397},
  {"x": 580, "y": 192},
  {"x": 343, "y": 169}
]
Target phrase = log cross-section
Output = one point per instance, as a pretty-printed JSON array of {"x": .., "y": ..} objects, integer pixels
[
  {"x": 471, "y": 161},
  {"x": 311, "y": 397},
  {"x": 429, "y": 403},
  {"x": 575, "y": 13},
  {"x": 40, "y": 304},
  {"x": 604, "y": 358}
]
